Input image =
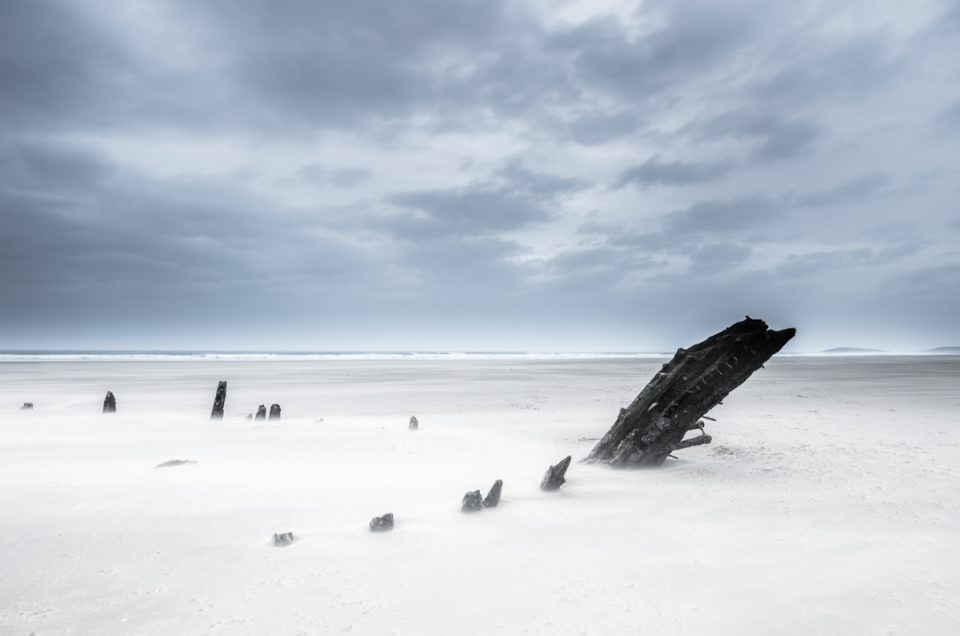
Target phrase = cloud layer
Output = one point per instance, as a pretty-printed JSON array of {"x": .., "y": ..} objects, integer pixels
[{"x": 440, "y": 174}]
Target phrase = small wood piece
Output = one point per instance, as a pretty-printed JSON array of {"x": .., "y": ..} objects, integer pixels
[
  {"x": 261, "y": 413},
  {"x": 219, "y": 400},
  {"x": 27, "y": 406},
  {"x": 414, "y": 423},
  {"x": 382, "y": 524},
  {"x": 493, "y": 497},
  {"x": 109, "y": 403},
  {"x": 556, "y": 475},
  {"x": 175, "y": 462},
  {"x": 281, "y": 539},
  {"x": 472, "y": 502},
  {"x": 274, "y": 412}
]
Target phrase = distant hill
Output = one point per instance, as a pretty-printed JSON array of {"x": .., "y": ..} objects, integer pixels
[
  {"x": 954, "y": 349},
  {"x": 852, "y": 350}
]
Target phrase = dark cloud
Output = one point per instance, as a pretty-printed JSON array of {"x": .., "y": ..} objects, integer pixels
[
  {"x": 604, "y": 55},
  {"x": 773, "y": 137},
  {"x": 730, "y": 215},
  {"x": 106, "y": 240},
  {"x": 518, "y": 178},
  {"x": 855, "y": 191},
  {"x": 43, "y": 168},
  {"x": 58, "y": 65},
  {"x": 830, "y": 70},
  {"x": 322, "y": 65},
  {"x": 514, "y": 198},
  {"x": 598, "y": 128},
  {"x": 655, "y": 172},
  {"x": 690, "y": 230},
  {"x": 327, "y": 64}
]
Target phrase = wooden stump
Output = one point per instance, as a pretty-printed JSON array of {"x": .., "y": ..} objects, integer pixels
[
  {"x": 274, "y": 412},
  {"x": 472, "y": 502},
  {"x": 556, "y": 475},
  {"x": 109, "y": 403},
  {"x": 219, "y": 400},
  {"x": 492, "y": 500}
]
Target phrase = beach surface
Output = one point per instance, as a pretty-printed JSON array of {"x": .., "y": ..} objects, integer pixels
[{"x": 826, "y": 504}]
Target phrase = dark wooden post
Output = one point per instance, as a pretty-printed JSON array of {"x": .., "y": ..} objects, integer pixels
[
  {"x": 109, "y": 403},
  {"x": 219, "y": 401}
]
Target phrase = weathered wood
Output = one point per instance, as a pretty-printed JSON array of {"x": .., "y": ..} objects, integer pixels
[
  {"x": 109, "y": 403},
  {"x": 219, "y": 400},
  {"x": 274, "y": 412},
  {"x": 472, "y": 501},
  {"x": 555, "y": 475},
  {"x": 382, "y": 524},
  {"x": 492, "y": 500},
  {"x": 261, "y": 413},
  {"x": 281, "y": 539},
  {"x": 684, "y": 390},
  {"x": 175, "y": 462},
  {"x": 27, "y": 406},
  {"x": 414, "y": 423}
]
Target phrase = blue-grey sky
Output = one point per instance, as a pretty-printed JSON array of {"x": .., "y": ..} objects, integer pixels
[{"x": 496, "y": 175}]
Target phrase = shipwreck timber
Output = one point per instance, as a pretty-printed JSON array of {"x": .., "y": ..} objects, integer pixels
[{"x": 678, "y": 397}]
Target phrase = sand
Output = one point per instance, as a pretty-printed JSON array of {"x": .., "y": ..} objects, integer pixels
[{"x": 827, "y": 503}]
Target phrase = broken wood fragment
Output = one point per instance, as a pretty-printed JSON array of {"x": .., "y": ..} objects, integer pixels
[
  {"x": 472, "y": 502},
  {"x": 382, "y": 524},
  {"x": 274, "y": 412},
  {"x": 684, "y": 390},
  {"x": 261, "y": 413},
  {"x": 492, "y": 500},
  {"x": 556, "y": 475},
  {"x": 281, "y": 539},
  {"x": 175, "y": 462}
]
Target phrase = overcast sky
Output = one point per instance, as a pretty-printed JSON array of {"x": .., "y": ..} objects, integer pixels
[{"x": 486, "y": 175}]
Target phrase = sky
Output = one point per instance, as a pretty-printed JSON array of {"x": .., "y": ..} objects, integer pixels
[{"x": 497, "y": 175}]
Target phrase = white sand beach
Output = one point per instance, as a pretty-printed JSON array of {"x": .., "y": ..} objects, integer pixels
[{"x": 826, "y": 504}]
